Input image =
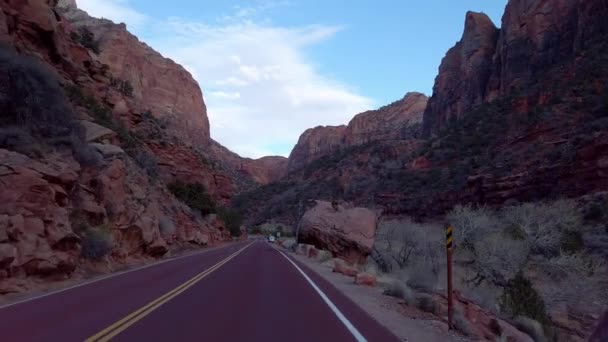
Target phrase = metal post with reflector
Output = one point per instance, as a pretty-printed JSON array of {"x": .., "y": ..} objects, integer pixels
[{"x": 448, "y": 244}]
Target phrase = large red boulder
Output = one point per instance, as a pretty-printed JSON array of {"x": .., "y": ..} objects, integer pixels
[
  {"x": 365, "y": 279},
  {"x": 346, "y": 232}
]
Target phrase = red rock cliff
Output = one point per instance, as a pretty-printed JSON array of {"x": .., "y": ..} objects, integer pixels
[
  {"x": 159, "y": 85},
  {"x": 396, "y": 121},
  {"x": 540, "y": 43}
]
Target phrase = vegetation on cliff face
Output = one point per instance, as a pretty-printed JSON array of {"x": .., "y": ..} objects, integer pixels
[{"x": 86, "y": 38}]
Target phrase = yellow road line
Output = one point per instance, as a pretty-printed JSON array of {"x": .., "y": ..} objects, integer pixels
[{"x": 121, "y": 325}]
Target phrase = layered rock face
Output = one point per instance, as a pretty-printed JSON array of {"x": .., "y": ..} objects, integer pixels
[
  {"x": 109, "y": 188},
  {"x": 539, "y": 42},
  {"x": 315, "y": 143},
  {"x": 396, "y": 121},
  {"x": 463, "y": 73},
  {"x": 347, "y": 232},
  {"x": 262, "y": 171},
  {"x": 48, "y": 208},
  {"x": 160, "y": 85},
  {"x": 387, "y": 123}
]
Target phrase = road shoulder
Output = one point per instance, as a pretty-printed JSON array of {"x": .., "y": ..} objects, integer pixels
[{"x": 383, "y": 309}]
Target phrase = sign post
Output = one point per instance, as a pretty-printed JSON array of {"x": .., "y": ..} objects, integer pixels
[{"x": 448, "y": 244}]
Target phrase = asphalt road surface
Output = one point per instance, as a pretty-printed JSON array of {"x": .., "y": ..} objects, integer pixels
[{"x": 247, "y": 291}]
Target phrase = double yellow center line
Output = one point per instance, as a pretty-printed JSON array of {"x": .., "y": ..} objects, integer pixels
[{"x": 118, "y": 327}]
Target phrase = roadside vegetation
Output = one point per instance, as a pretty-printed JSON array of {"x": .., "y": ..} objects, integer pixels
[
  {"x": 36, "y": 117},
  {"x": 197, "y": 198},
  {"x": 522, "y": 261},
  {"x": 86, "y": 38}
]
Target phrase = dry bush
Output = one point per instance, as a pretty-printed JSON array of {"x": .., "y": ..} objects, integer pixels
[
  {"x": 471, "y": 224},
  {"x": 498, "y": 258},
  {"x": 544, "y": 223},
  {"x": 31, "y": 97},
  {"x": 411, "y": 249},
  {"x": 399, "y": 290},
  {"x": 166, "y": 226}
]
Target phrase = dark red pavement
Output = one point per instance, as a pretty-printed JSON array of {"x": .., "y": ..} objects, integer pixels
[{"x": 256, "y": 296}]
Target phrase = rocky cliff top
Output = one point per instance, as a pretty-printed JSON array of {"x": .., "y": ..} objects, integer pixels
[{"x": 396, "y": 121}]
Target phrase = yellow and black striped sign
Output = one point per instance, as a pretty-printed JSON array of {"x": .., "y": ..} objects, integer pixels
[{"x": 449, "y": 238}]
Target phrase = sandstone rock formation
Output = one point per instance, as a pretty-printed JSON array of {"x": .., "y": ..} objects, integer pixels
[
  {"x": 538, "y": 42},
  {"x": 263, "y": 170},
  {"x": 47, "y": 208},
  {"x": 160, "y": 85},
  {"x": 314, "y": 143},
  {"x": 396, "y": 121},
  {"x": 346, "y": 232},
  {"x": 464, "y": 72},
  {"x": 390, "y": 122},
  {"x": 53, "y": 205}
]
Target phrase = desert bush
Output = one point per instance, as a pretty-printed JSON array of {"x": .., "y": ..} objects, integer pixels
[
  {"x": 399, "y": 290},
  {"x": 471, "y": 224},
  {"x": 460, "y": 322},
  {"x": 31, "y": 97},
  {"x": 193, "y": 195},
  {"x": 233, "y": 220},
  {"x": 17, "y": 139},
  {"x": 571, "y": 241},
  {"x": 95, "y": 244},
  {"x": 498, "y": 258},
  {"x": 544, "y": 223},
  {"x": 521, "y": 299},
  {"x": 123, "y": 86},
  {"x": 531, "y": 327},
  {"x": 146, "y": 161},
  {"x": 427, "y": 303},
  {"x": 86, "y": 38},
  {"x": 400, "y": 240},
  {"x": 166, "y": 226}
]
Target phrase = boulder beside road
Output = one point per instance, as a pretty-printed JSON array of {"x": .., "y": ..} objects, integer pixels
[{"x": 346, "y": 232}]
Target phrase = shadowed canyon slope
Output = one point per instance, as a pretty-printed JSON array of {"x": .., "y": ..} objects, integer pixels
[{"x": 517, "y": 113}]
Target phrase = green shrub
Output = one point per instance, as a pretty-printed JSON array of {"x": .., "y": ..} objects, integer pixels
[
  {"x": 233, "y": 220},
  {"x": 193, "y": 195},
  {"x": 32, "y": 98},
  {"x": 86, "y": 38},
  {"x": 571, "y": 241},
  {"x": 123, "y": 86},
  {"x": 146, "y": 161},
  {"x": 521, "y": 299},
  {"x": 95, "y": 244}
]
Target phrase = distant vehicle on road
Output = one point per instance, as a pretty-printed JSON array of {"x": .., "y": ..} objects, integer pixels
[{"x": 271, "y": 238}]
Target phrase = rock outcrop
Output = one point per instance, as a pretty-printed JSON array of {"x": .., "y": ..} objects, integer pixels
[
  {"x": 48, "y": 209},
  {"x": 392, "y": 122},
  {"x": 106, "y": 189},
  {"x": 346, "y": 232},
  {"x": 540, "y": 42},
  {"x": 464, "y": 72},
  {"x": 262, "y": 171},
  {"x": 159, "y": 85},
  {"x": 397, "y": 121},
  {"x": 315, "y": 143}
]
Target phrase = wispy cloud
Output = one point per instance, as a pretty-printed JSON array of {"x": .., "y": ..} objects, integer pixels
[{"x": 260, "y": 89}]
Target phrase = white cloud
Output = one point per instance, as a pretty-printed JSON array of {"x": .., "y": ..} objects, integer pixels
[
  {"x": 260, "y": 89},
  {"x": 116, "y": 10},
  {"x": 224, "y": 95}
]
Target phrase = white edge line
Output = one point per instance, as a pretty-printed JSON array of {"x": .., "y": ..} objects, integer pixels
[
  {"x": 351, "y": 328},
  {"x": 111, "y": 275}
]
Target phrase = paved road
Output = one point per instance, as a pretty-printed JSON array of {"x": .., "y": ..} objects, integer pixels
[{"x": 243, "y": 292}]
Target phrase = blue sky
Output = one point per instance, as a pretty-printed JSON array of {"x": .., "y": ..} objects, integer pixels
[{"x": 270, "y": 69}]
